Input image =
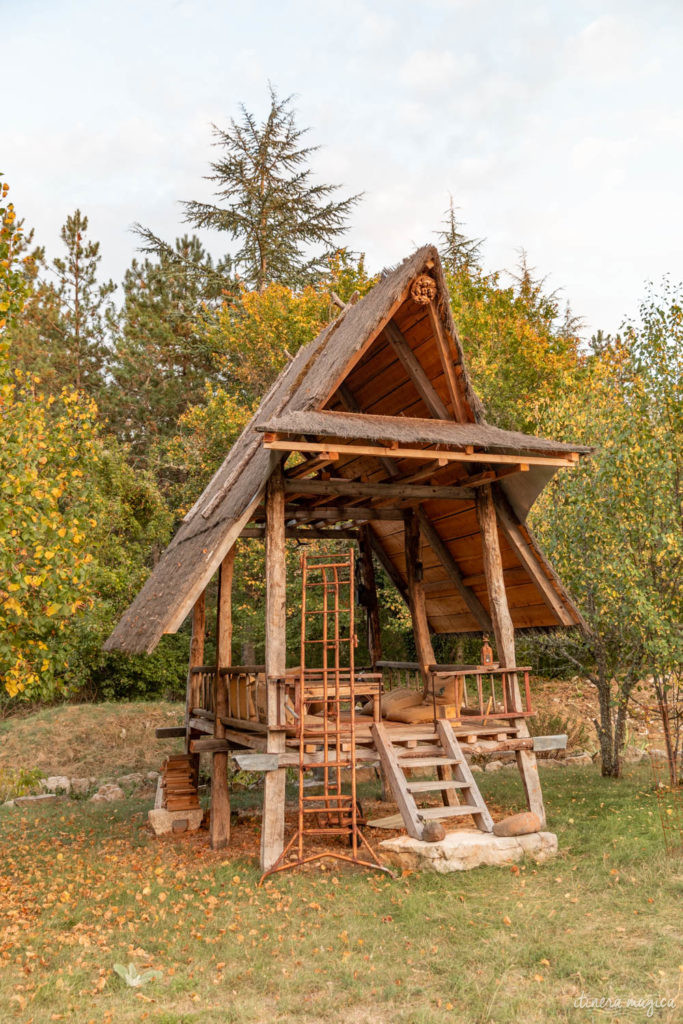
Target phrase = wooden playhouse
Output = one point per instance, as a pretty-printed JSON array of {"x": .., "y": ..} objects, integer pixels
[{"x": 373, "y": 437}]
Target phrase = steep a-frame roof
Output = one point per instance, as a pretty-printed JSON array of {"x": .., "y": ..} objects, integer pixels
[{"x": 391, "y": 355}]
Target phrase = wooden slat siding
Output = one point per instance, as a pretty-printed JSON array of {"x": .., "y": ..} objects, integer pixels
[
  {"x": 273, "y": 819},
  {"x": 415, "y": 372},
  {"x": 220, "y": 792},
  {"x": 338, "y": 487},
  {"x": 196, "y": 658},
  {"x": 441, "y": 551},
  {"x": 505, "y": 643}
]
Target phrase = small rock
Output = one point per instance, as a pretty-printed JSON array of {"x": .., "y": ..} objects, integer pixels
[
  {"x": 633, "y": 755},
  {"x": 433, "y": 832},
  {"x": 134, "y": 779},
  {"x": 26, "y": 801},
  {"x": 493, "y": 766},
  {"x": 108, "y": 792},
  {"x": 658, "y": 755},
  {"x": 80, "y": 786},
  {"x": 476, "y": 768},
  {"x": 8, "y": 803},
  {"x": 578, "y": 759},
  {"x": 152, "y": 776},
  {"x": 522, "y": 824},
  {"x": 57, "y": 784}
]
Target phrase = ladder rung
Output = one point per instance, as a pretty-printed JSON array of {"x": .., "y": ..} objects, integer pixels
[
  {"x": 434, "y": 784},
  {"x": 425, "y": 762}
]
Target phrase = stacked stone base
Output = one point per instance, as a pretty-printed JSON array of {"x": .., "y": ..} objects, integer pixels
[{"x": 465, "y": 849}]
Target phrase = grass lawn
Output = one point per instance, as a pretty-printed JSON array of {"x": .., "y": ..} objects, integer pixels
[{"x": 84, "y": 886}]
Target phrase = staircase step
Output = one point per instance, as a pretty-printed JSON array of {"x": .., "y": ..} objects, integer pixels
[
  {"x": 447, "y": 812},
  {"x": 424, "y": 751},
  {"x": 434, "y": 784},
  {"x": 426, "y": 762}
]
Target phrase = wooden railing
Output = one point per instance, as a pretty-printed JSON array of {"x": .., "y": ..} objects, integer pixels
[
  {"x": 477, "y": 690},
  {"x": 245, "y": 688}
]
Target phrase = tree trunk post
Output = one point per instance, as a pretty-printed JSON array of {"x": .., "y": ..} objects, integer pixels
[
  {"x": 194, "y": 681},
  {"x": 220, "y": 790},
  {"x": 418, "y": 609},
  {"x": 369, "y": 583},
  {"x": 273, "y": 821},
  {"x": 505, "y": 640}
]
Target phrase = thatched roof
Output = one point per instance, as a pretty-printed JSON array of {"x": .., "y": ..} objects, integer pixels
[{"x": 320, "y": 375}]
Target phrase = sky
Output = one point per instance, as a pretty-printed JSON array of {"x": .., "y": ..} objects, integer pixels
[{"x": 555, "y": 125}]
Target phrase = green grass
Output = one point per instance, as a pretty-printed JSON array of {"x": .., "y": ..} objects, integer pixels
[{"x": 83, "y": 887}]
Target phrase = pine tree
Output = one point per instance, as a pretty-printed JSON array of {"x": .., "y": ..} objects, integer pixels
[
  {"x": 458, "y": 252},
  {"x": 163, "y": 355},
  {"x": 268, "y": 203},
  {"x": 61, "y": 335}
]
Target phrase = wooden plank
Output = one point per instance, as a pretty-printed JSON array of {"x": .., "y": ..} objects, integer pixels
[
  {"x": 418, "y": 608},
  {"x": 505, "y": 641},
  {"x": 351, "y": 405},
  {"x": 558, "y": 742},
  {"x": 361, "y": 489},
  {"x": 342, "y": 513},
  {"x": 220, "y": 792},
  {"x": 280, "y": 444},
  {"x": 257, "y": 762},
  {"x": 209, "y": 745},
  {"x": 397, "y": 780},
  {"x": 448, "y": 562},
  {"x": 167, "y": 732},
  {"x": 414, "y": 369},
  {"x": 273, "y": 819},
  {"x": 463, "y": 773},
  {"x": 526, "y": 556},
  {"x": 303, "y": 533}
]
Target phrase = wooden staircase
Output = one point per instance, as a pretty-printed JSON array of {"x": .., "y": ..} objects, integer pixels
[{"x": 441, "y": 751}]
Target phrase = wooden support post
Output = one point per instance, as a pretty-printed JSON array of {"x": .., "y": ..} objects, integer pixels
[
  {"x": 220, "y": 791},
  {"x": 505, "y": 640},
  {"x": 273, "y": 821},
  {"x": 367, "y": 575},
  {"x": 418, "y": 609},
  {"x": 196, "y": 659}
]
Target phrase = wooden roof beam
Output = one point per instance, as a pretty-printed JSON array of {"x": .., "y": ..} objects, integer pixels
[
  {"x": 449, "y": 564},
  {"x": 527, "y": 558},
  {"x": 448, "y": 363},
  {"x": 275, "y": 442},
  {"x": 360, "y": 489},
  {"x": 417, "y": 375}
]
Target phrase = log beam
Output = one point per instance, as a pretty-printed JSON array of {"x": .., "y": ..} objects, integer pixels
[
  {"x": 418, "y": 610},
  {"x": 273, "y": 821},
  {"x": 445, "y": 352},
  {"x": 526, "y": 557},
  {"x": 417, "y": 375},
  {"x": 361, "y": 489},
  {"x": 220, "y": 791},
  {"x": 449, "y": 564},
  {"x": 505, "y": 641},
  {"x": 369, "y": 583},
  {"x": 196, "y": 658}
]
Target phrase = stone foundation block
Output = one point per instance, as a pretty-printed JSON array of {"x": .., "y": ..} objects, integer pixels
[
  {"x": 162, "y": 821},
  {"x": 465, "y": 849}
]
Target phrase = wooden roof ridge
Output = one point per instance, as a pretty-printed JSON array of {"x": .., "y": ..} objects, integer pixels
[{"x": 409, "y": 429}]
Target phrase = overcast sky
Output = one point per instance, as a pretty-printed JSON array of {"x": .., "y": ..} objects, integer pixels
[{"x": 557, "y": 125}]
